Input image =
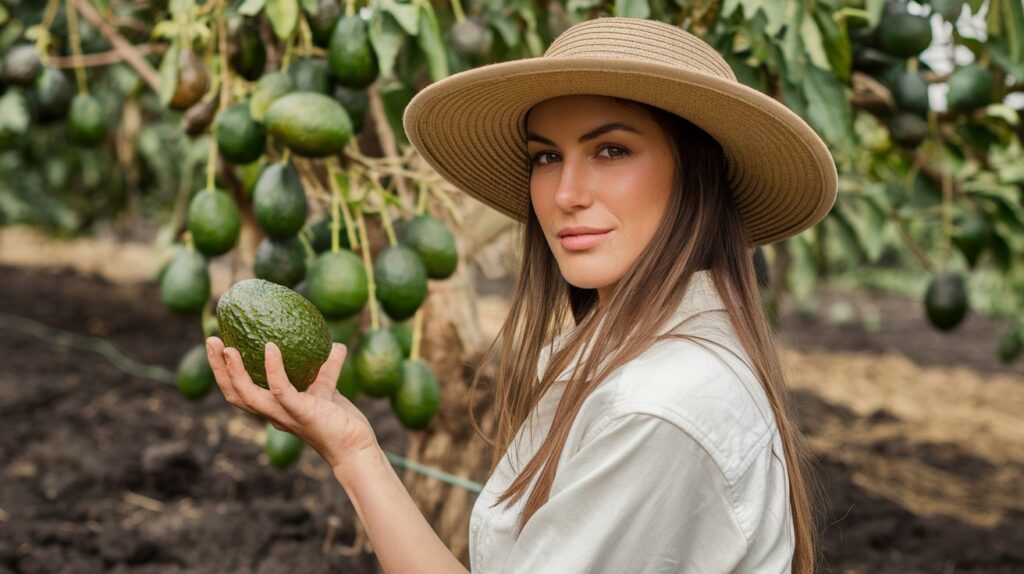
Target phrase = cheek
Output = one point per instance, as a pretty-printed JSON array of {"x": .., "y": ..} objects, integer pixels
[{"x": 641, "y": 197}]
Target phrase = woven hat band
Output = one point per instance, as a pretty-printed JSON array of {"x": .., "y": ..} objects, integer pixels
[{"x": 640, "y": 40}]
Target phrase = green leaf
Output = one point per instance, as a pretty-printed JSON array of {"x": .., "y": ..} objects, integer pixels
[
  {"x": 14, "y": 116},
  {"x": 828, "y": 109},
  {"x": 507, "y": 28},
  {"x": 251, "y": 7},
  {"x": 407, "y": 15},
  {"x": 283, "y": 16},
  {"x": 387, "y": 38},
  {"x": 429, "y": 40},
  {"x": 311, "y": 7},
  {"x": 168, "y": 74},
  {"x": 632, "y": 8},
  {"x": 836, "y": 42}
]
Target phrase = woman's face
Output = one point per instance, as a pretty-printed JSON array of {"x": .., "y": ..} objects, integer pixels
[{"x": 598, "y": 164}]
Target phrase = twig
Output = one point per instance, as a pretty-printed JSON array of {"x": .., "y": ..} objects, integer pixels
[
  {"x": 104, "y": 58},
  {"x": 127, "y": 50}
]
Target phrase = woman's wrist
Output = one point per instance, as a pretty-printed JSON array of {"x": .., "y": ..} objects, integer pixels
[{"x": 358, "y": 463}]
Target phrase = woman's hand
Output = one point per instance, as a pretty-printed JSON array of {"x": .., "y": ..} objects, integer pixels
[{"x": 321, "y": 416}]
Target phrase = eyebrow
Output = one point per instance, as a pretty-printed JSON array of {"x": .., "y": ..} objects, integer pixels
[{"x": 532, "y": 137}]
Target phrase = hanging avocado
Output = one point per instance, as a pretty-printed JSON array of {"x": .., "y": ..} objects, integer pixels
[
  {"x": 401, "y": 281},
  {"x": 973, "y": 235},
  {"x": 52, "y": 95},
  {"x": 279, "y": 201},
  {"x": 322, "y": 21},
  {"x": 282, "y": 262},
  {"x": 283, "y": 449},
  {"x": 904, "y": 35},
  {"x": 351, "y": 54},
  {"x": 86, "y": 125},
  {"x": 194, "y": 377},
  {"x": 356, "y": 102},
  {"x": 185, "y": 283},
  {"x": 309, "y": 124},
  {"x": 945, "y": 301},
  {"x": 434, "y": 243},
  {"x": 378, "y": 363},
  {"x": 196, "y": 119},
  {"x": 970, "y": 87},
  {"x": 418, "y": 398},
  {"x": 337, "y": 284},
  {"x": 910, "y": 91},
  {"x": 908, "y": 129},
  {"x": 240, "y": 139},
  {"x": 214, "y": 222},
  {"x": 246, "y": 53},
  {"x": 193, "y": 81}
]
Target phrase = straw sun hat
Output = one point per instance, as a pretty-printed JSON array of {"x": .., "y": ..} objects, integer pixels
[{"x": 470, "y": 126}]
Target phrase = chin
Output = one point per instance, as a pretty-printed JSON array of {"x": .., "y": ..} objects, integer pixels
[{"x": 585, "y": 278}]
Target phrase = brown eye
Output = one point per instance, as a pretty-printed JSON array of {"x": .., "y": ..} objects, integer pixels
[
  {"x": 537, "y": 156},
  {"x": 622, "y": 151}
]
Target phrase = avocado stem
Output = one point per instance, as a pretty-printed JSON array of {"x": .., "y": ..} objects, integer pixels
[
  {"x": 76, "y": 47},
  {"x": 371, "y": 285},
  {"x": 421, "y": 199},
  {"x": 385, "y": 217},
  {"x": 417, "y": 334},
  {"x": 333, "y": 180}
]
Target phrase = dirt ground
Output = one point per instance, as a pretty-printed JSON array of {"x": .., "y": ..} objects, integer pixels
[{"x": 918, "y": 437}]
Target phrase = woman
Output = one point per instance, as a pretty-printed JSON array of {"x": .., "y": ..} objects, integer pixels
[{"x": 654, "y": 435}]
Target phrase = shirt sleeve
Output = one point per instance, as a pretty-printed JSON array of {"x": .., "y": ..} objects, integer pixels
[{"x": 640, "y": 496}]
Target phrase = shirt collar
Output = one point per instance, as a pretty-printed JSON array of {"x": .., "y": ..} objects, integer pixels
[{"x": 701, "y": 296}]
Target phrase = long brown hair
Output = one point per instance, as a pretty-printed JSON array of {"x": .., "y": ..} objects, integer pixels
[{"x": 702, "y": 229}]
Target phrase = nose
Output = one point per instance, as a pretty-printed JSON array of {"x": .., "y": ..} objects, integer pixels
[{"x": 573, "y": 191}]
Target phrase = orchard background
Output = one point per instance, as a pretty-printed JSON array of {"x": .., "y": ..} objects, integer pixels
[{"x": 152, "y": 154}]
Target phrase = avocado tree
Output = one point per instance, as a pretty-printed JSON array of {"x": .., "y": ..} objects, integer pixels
[{"x": 269, "y": 132}]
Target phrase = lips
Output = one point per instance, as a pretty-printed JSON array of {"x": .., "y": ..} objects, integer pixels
[{"x": 581, "y": 241}]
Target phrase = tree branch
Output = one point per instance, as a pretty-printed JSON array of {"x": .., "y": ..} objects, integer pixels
[
  {"x": 128, "y": 52},
  {"x": 103, "y": 58}
]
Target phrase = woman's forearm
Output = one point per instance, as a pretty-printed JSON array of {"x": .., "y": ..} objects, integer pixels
[{"x": 402, "y": 538}]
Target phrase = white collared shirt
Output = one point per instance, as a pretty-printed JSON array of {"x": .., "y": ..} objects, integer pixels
[{"x": 674, "y": 464}]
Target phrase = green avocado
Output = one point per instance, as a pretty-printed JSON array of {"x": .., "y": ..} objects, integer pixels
[
  {"x": 214, "y": 222},
  {"x": 970, "y": 87},
  {"x": 973, "y": 235},
  {"x": 378, "y": 363},
  {"x": 282, "y": 447},
  {"x": 246, "y": 52},
  {"x": 311, "y": 75},
  {"x": 356, "y": 102},
  {"x": 403, "y": 332},
  {"x": 254, "y": 312},
  {"x": 270, "y": 87},
  {"x": 308, "y": 123},
  {"x": 322, "y": 21},
  {"x": 911, "y": 93},
  {"x": 86, "y": 125},
  {"x": 350, "y": 53},
  {"x": 195, "y": 378},
  {"x": 185, "y": 283},
  {"x": 417, "y": 399},
  {"x": 282, "y": 262},
  {"x": 401, "y": 281},
  {"x": 343, "y": 331},
  {"x": 348, "y": 381},
  {"x": 908, "y": 129},
  {"x": 240, "y": 139},
  {"x": 52, "y": 95},
  {"x": 337, "y": 284},
  {"x": 279, "y": 201},
  {"x": 322, "y": 235},
  {"x": 945, "y": 300},
  {"x": 434, "y": 243},
  {"x": 950, "y": 9},
  {"x": 21, "y": 65},
  {"x": 904, "y": 35}
]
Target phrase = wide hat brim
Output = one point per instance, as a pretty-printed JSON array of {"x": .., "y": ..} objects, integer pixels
[{"x": 470, "y": 128}]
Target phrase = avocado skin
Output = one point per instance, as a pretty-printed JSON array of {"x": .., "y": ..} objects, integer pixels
[
  {"x": 401, "y": 281},
  {"x": 214, "y": 222},
  {"x": 52, "y": 95},
  {"x": 185, "y": 283},
  {"x": 86, "y": 124},
  {"x": 255, "y": 311},
  {"x": 240, "y": 138},
  {"x": 350, "y": 53},
  {"x": 434, "y": 244},
  {"x": 337, "y": 284},
  {"x": 378, "y": 363},
  {"x": 281, "y": 262},
  {"x": 309, "y": 123},
  {"x": 195, "y": 377},
  {"x": 279, "y": 201}
]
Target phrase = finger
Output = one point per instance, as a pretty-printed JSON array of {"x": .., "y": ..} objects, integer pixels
[
  {"x": 280, "y": 386},
  {"x": 215, "y": 355},
  {"x": 255, "y": 398},
  {"x": 327, "y": 378}
]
